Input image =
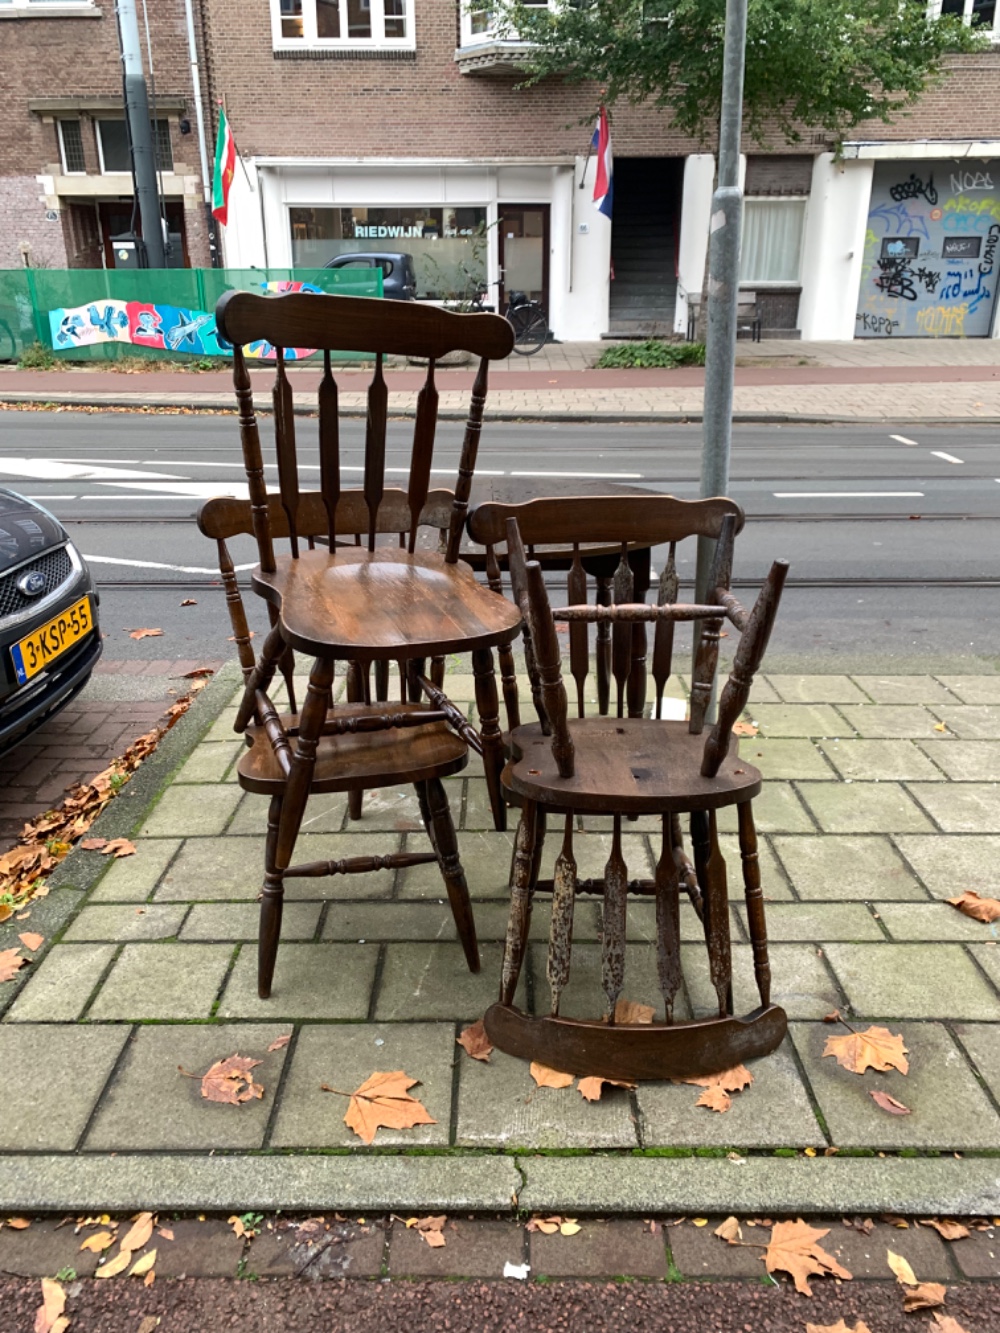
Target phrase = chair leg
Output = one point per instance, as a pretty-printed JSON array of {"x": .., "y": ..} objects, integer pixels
[
  {"x": 415, "y": 668},
  {"x": 355, "y": 695},
  {"x": 561, "y": 928},
  {"x": 520, "y": 902},
  {"x": 755, "y": 901},
  {"x": 437, "y": 672},
  {"x": 668, "y": 921},
  {"x": 489, "y": 728},
  {"x": 711, "y": 869},
  {"x": 382, "y": 681},
  {"x": 271, "y": 902},
  {"x": 613, "y": 921},
  {"x": 445, "y": 844}
]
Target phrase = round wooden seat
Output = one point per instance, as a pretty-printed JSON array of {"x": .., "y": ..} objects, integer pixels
[{"x": 653, "y": 767}]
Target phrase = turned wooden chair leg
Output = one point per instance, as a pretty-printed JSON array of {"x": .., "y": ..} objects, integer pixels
[
  {"x": 437, "y": 672},
  {"x": 271, "y": 902},
  {"x": 382, "y": 681},
  {"x": 489, "y": 727},
  {"x": 356, "y": 680},
  {"x": 520, "y": 902},
  {"x": 711, "y": 870},
  {"x": 755, "y": 901},
  {"x": 445, "y": 844},
  {"x": 415, "y": 668}
]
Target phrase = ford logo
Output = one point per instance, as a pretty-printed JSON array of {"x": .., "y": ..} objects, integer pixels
[{"x": 32, "y": 583}]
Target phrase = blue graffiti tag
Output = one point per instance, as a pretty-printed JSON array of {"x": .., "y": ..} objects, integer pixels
[
  {"x": 962, "y": 287},
  {"x": 898, "y": 218},
  {"x": 110, "y": 322}
]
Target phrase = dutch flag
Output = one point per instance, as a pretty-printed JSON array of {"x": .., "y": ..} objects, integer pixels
[{"x": 604, "y": 183}]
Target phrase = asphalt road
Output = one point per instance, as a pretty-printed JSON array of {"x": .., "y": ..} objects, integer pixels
[{"x": 893, "y": 534}]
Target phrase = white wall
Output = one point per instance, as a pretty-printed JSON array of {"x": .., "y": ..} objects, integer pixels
[
  {"x": 585, "y": 300},
  {"x": 833, "y": 247},
  {"x": 243, "y": 236},
  {"x": 692, "y": 250}
]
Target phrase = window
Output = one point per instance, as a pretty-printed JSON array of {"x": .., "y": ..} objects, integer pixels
[
  {"x": 329, "y": 24},
  {"x": 71, "y": 147},
  {"x": 112, "y": 140},
  {"x": 59, "y": 8},
  {"x": 448, "y": 244},
  {"x": 981, "y": 14},
  {"x": 478, "y": 18},
  {"x": 772, "y": 240}
]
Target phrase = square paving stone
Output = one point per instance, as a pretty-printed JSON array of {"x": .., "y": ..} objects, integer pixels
[
  {"x": 982, "y": 1041},
  {"x": 977, "y": 723},
  {"x": 43, "y": 1250},
  {"x": 392, "y": 809},
  {"x": 777, "y": 809},
  {"x": 865, "y": 1256},
  {"x": 53, "y": 1077},
  {"x": 473, "y": 1248},
  {"x": 864, "y": 807},
  {"x": 209, "y": 763},
  {"x": 819, "y": 922},
  {"x": 152, "y": 1106},
  {"x": 799, "y": 981},
  {"x": 696, "y": 1252},
  {"x": 886, "y": 760},
  {"x": 324, "y": 814},
  {"x": 240, "y": 921},
  {"x": 979, "y": 1254},
  {"x": 485, "y": 858},
  {"x": 933, "y": 921},
  {"x": 619, "y": 1248},
  {"x": 191, "y": 811},
  {"x": 222, "y": 728},
  {"x": 959, "y": 807},
  {"x": 310, "y": 981},
  {"x": 817, "y": 689},
  {"x": 974, "y": 689},
  {"x": 433, "y": 981},
  {"x": 904, "y": 690},
  {"x": 846, "y": 867},
  {"x": 912, "y": 981},
  {"x": 773, "y": 879},
  {"x": 947, "y": 865},
  {"x": 316, "y": 1249},
  {"x": 62, "y": 984},
  {"x": 786, "y": 758},
  {"x": 988, "y": 957},
  {"x": 131, "y": 879},
  {"x": 477, "y": 813},
  {"x": 500, "y": 1106},
  {"x": 965, "y": 761},
  {"x": 163, "y": 981},
  {"x": 640, "y": 925},
  {"x": 198, "y": 1249},
  {"x": 890, "y": 721},
  {"x": 154, "y": 921},
  {"x": 343, "y": 1056},
  {"x": 798, "y": 720},
  {"x": 948, "y": 1108},
  {"x": 773, "y": 1112},
  {"x": 584, "y": 995}
]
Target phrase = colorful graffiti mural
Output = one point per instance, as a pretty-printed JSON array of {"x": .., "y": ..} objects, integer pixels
[
  {"x": 931, "y": 253},
  {"x": 165, "y": 327}
]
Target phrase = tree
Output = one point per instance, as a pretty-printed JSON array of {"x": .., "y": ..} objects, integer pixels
[{"x": 827, "y": 64}]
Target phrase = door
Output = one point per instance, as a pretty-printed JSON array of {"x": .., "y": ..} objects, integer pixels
[{"x": 524, "y": 252}]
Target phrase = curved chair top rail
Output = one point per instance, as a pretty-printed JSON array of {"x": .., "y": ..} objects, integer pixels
[
  {"x": 225, "y": 516},
  {"x": 645, "y": 519},
  {"x": 361, "y": 324}
]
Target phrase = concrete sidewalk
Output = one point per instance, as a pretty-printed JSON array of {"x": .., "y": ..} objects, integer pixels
[{"x": 882, "y": 799}]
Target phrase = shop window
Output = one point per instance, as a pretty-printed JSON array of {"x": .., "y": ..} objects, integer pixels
[
  {"x": 71, "y": 148},
  {"x": 448, "y": 245},
  {"x": 112, "y": 141},
  {"x": 328, "y": 24},
  {"x": 772, "y": 240}
]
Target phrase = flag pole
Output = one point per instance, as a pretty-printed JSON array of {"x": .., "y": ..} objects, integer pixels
[{"x": 239, "y": 155}]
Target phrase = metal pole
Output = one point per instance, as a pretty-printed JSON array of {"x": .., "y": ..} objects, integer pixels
[
  {"x": 199, "y": 114},
  {"x": 140, "y": 134},
  {"x": 723, "y": 284}
]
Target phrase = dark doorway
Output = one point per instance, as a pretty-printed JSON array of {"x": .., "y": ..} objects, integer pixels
[
  {"x": 645, "y": 230},
  {"x": 524, "y": 252}
]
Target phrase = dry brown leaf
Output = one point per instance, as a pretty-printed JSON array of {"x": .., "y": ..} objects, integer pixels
[
  {"x": 745, "y": 729},
  {"x": 165, "y": 1233},
  {"x": 143, "y": 1264},
  {"x": 901, "y": 1267},
  {"x": 93, "y": 844},
  {"x": 794, "y": 1249},
  {"x": 474, "y": 1041},
  {"x": 945, "y": 1324},
  {"x": 887, "y": 1103},
  {"x": 729, "y": 1230},
  {"x": 980, "y": 909},
  {"x": 10, "y": 964},
  {"x": 118, "y": 847},
  {"x": 435, "y": 1239},
  {"x": 719, "y": 1086},
  {"x": 149, "y": 1324},
  {"x": 230, "y": 1081},
  {"x": 431, "y": 1229},
  {"x": 875, "y": 1048},
  {"x": 238, "y": 1226},
  {"x": 189, "y": 601},
  {"x": 940, "y": 726},
  {"x": 139, "y": 1233},
  {"x": 838, "y": 1327},
  {"x": 145, "y": 633},
  {"x": 924, "y": 1296},
  {"x": 631, "y": 1011},
  {"x": 98, "y": 1242},
  {"x": 548, "y": 1226},
  {"x": 383, "y": 1101},
  {"x": 149, "y": 1279},
  {"x": 590, "y": 1089},
  {"x": 832, "y": 1017},
  {"x": 279, "y": 1042},
  {"x": 18, "y": 1223},
  {"x": 946, "y": 1230},
  {"x": 198, "y": 673},
  {"x": 116, "y": 1265},
  {"x": 31, "y": 941},
  {"x": 549, "y": 1078},
  {"x": 48, "y": 1316}
]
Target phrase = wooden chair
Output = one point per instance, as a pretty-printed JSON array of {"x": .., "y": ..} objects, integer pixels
[
  {"x": 359, "y": 604},
  {"x": 638, "y": 766}
]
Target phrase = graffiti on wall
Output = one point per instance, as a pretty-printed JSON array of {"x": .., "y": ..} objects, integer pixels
[{"x": 932, "y": 252}]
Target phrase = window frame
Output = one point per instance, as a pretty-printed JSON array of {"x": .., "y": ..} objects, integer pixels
[
  {"x": 934, "y": 12},
  {"x": 469, "y": 7},
  {"x": 164, "y": 168},
  {"x": 310, "y": 41},
  {"x": 773, "y": 200},
  {"x": 69, "y": 120},
  {"x": 53, "y": 8}
]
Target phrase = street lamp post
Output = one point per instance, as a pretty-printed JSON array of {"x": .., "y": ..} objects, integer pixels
[{"x": 140, "y": 135}]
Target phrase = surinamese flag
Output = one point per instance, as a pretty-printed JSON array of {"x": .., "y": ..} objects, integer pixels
[
  {"x": 603, "y": 183},
  {"x": 225, "y": 169}
]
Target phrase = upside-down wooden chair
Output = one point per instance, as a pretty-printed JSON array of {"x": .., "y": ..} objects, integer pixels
[
  {"x": 358, "y": 604},
  {"x": 638, "y": 766}
]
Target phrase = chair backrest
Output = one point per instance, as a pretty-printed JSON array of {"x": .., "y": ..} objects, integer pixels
[
  {"x": 755, "y": 626},
  {"x": 300, "y": 320},
  {"x": 622, "y": 523}
]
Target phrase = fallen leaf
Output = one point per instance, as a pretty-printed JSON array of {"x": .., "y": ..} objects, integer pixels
[
  {"x": 143, "y": 1264},
  {"x": 715, "y": 1098},
  {"x": 10, "y": 964},
  {"x": 149, "y": 1323},
  {"x": 980, "y": 909},
  {"x": 435, "y": 1239},
  {"x": 278, "y": 1042},
  {"x": 189, "y": 601},
  {"x": 699, "y": 1221},
  {"x": 18, "y": 1223},
  {"x": 729, "y": 1230},
  {"x": 31, "y": 941},
  {"x": 165, "y": 1233},
  {"x": 548, "y": 1226},
  {"x": 945, "y": 1229},
  {"x": 745, "y": 729},
  {"x": 631, "y": 1011},
  {"x": 116, "y": 1265},
  {"x": 887, "y": 1103},
  {"x": 590, "y": 1089},
  {"x": 474, "y": 1041},
  {"x": 238, "y": 1226},
  {"x": 139, "y": 1233},
  {"x": 230, "y": 1081},
  {"x": 719, "y": 1086},
  {"x": 118, "y": 847},
  {"x": 569, "y": 1227},
  {"x": 838, "y": 1327},
  {"x": 794, "y": 1249},
  {"x": 875, "y": 1048},
  {"x": 49, "y": 1313},
  {"x": 901, "y": 1267},
  {"x": 945, "y": 1324},
  {"x": 145, "y": 633},
  {"x": 832, "y": 1017},
  {"x": 383, "y": 1101},
  {"x": 924, "y": 1296},
  {"x": 940, "y": 726},
  {"x": 431, "y": 1229},
  {"x": 149, "y": 1279},
  {"x": 198, "y": 673},
  {"x": 549, "y": 1078},
  {"x": 98, "y": 1242},
  {"x": 93, "y": 844}
]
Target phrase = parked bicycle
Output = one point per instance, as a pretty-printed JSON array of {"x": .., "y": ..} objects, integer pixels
[{"x": 525, "y": 316}]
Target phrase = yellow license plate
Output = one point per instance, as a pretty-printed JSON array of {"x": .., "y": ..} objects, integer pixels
[{"x": 35, "y": 652}]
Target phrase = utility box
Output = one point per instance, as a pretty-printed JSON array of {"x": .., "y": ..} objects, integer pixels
[{"x": 125, "y": 251}]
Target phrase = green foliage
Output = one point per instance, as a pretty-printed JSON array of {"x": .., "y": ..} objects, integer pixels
[
  {"x": 827, "y": 64},
  {"x": 37, "y": 357},
  {"x": 66, "y": 1275},
  {"x": 652, "y": 352}
]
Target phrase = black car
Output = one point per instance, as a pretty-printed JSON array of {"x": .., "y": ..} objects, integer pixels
[
  {"x": 399, "y": 281},
  {"x": 49, "y": 637}
]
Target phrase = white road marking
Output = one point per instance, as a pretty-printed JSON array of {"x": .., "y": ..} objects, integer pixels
[
  {"x": 903, "y": 440},
  {"x": 948, "y": 458},
  {"x": 52, "y": 469},
  {"x": 197, "y": 490},
  {"x": 42, "y": 498},
  {"x": 155, "y": 564},
  {"x": 599, "y": 476},
  {"x": 848, "y": 495},
  {"x": 118, "y": 462}
]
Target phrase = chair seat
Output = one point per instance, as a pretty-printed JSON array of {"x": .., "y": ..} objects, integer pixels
[
  {"x": 369, "y": 759},
  {"x": 626, "y": 766},
  {"x": 383, "y": 604}
]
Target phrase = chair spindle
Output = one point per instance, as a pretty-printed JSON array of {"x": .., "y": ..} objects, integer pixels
[
  {"x": 423, "y": 451},
  {"x": 520, "y": 902},
  {"x": 546, "y": 645},
  {"x": 668, "y": 921},
  {"x": 329, "y": 446},
  {"x": 663, "y": 640},
  {"x": 621, "y": 634},
  {"x": 613, "y": 923},
  {"x": 707, "y": 655},
  {"x": 576, "y": 595},
  {"x": 237, "y": 611},
  {"x": 375, "y": 429},
  {"x": 602, "y": 650},
  {"x": 754, "y": 900},
  {"x": 564, "y": 882},
  {"x": 253, "y": 461},
  {"x": 284, "y": 436},
  {"x": 467, "y": 462}
]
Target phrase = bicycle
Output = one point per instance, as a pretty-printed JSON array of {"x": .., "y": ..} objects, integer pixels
[{"x": 525, "y": 316}]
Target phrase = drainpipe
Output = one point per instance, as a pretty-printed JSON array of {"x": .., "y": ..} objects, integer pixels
[{"x": 206, "y": 179}]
